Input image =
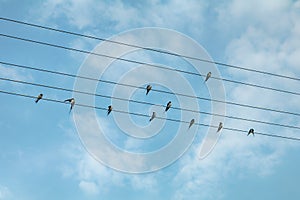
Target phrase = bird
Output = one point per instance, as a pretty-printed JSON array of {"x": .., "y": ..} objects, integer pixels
[
  {"x": 149, "y": 87},
  {"x": 39, "y": 97},
  {"x": 152, "y": 117},
  {"x": 168, "y": 106},
  {"x": 251, "y": 131},
  {"x": 72, "y": 102},
  {"x": 191, "y": 122},
  {"x": 207, "y": 76},
  {"x": 220, "y": 126},
  {"x": 109, "y": 109}
]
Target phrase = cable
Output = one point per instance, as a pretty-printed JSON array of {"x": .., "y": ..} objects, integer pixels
[
  {"x": 264, "y": 134},
  {"x": 155, "y": 90},
  {"x": 145, "y": 48},
  {"x": 143, "y": 115},
  {"x": 147, "y": 103},
  {"x": 147, "y": 64}
]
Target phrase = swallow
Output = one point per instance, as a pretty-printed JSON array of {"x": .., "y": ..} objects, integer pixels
[
  {"x": 39, "y": 98},
  {"x": 191, "y": 122},
  {"x": 168, "y": 106},
  {"x": 220, "y": 127},
  {"x": 251, "y": 131},
  {"x": 72, "y": 102},
  {"x": 153, "y": 116},
  {"x": 207, "y": 76},
  {"x": 149, "y": 87},
  {"x": 109, "y": 109}
]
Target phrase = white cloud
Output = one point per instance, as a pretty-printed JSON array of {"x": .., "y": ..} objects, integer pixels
[
  {"x": 5, "y": 193},
  {"x": 94, "y": 178},
  {"x": 12, "y": 73},
  {"x": 89, "y": 187},
  {"x": 266, "y": 41},
  {"x": 258, "y": 43},
  {"x": 117, "y": 15}
]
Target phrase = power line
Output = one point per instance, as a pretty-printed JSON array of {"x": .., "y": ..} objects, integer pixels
[
  {"x": 152, "y": 104},
  {"x": 147, "y": 64},
  {"x": 145, "y": 48},
  {"x": 264, "y": 134},
  {"x": 147, "y": 103},
  {"x": 143, "y": 115},
  {"x": 155, "y": 90}
]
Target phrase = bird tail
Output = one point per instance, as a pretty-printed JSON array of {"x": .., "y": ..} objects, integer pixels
[
  {"x": 70, "y": 109},
  {"x": 36, "y": 101}
]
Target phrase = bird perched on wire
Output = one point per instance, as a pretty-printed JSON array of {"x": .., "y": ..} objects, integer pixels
[
  {"x": 251, "y": 131},
  {"x": 207, "y": 76},
  {"x": 152, "y": 117},
  {"x": 220, "y": 127},
  {"x": 39, "y": 97},
  {"x": 191, "y": 123},
  {"x": 168, "y": 106},
  {"x": 109, "y": 109},
  {"x": 72, "y": 102},
  {"x": 149, "y": 87}
]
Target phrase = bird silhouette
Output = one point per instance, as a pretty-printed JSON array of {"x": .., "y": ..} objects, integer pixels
[
  {"x": 168, "y": 106},
  {"x": 72, "y": 102},
  {"x": 39, "y": 97},
  {"x": 251, "y": 131},
  {"x": 149, "y": 87},
  {"x": 191, "y": 122},
  {"x": 109, "y": 109},
  {"x": 152, "y": 117},
  {"x": 220, "y": 127},
  {"x": 207, "y": 76}
]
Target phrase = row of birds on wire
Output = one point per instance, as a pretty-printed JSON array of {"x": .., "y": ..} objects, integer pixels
[{"x": 71, "y": 101}]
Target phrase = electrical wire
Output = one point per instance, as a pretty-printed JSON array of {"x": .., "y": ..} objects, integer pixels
[
  {"x": 147, "y": 64},
  {"x": 146, "y": 48},
  {"x": 143, "y": 115},
  {"x": 155, "y": 90},
  {"x": 147, "y": 103}
]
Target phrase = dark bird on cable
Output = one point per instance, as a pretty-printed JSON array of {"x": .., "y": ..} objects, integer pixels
[
  {"x": 39, "y": 98},
  {"x": 251, "y": 131},
  {"x": 168, "y": 106},
  {"x": 109, "y": 109},
  {"x": 220, "y": 127},
  {"x": 149, "y": 87},
  {"x": 153, "y": 116},
  {"x": 207, "y": 76},
  {"x": 72, "y": 102},
  {"x": 191, "y": 123}
]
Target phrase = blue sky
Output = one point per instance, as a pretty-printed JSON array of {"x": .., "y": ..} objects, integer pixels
[{"x": 41, "y": 154}]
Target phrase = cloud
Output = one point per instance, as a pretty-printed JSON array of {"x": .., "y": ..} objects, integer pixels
[
  {"x": 254, "y": 42},
  {"x": 12, "y": 73},
  {"x": 5, "y": 193},
  {"x": 118, "y": 15},
  {"x": 263, "y": 46},
  {"x": 89, "y": 187},
  {"x": 94, "y": 178}
]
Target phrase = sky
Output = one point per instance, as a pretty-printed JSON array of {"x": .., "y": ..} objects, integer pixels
[{"x": 47, "y": 152}]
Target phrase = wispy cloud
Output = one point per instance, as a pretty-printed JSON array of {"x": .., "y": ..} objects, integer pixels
[
  {"x": 254, "y": 42},
  {"x": 5, "y": 193}
]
